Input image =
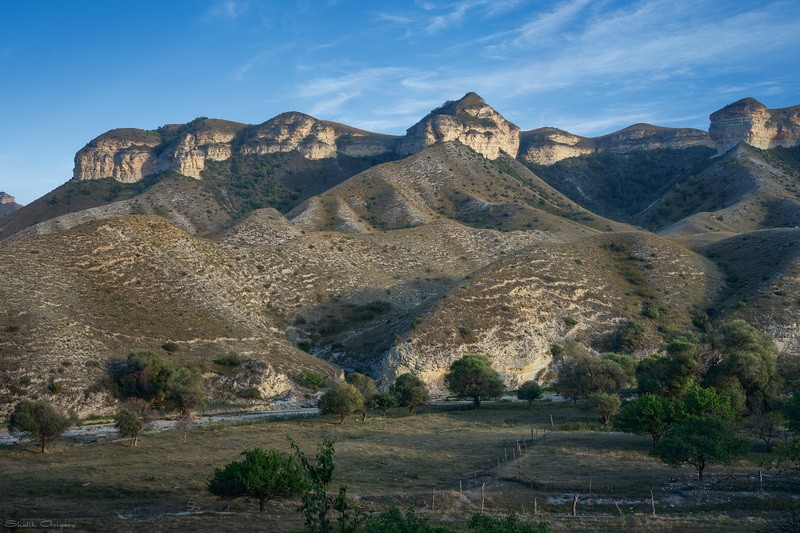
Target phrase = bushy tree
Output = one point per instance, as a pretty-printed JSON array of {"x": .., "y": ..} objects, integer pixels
[
  {"x": 582, "y": 375},
  {"x": 705, "y": 401},
  {"x": 700, "y": 441},
  {"x": 792, "y": 413},
  {"x": 316, "y": 502},
  {"x": 366, "y": 386},
  {"x": 472, "y": 376},
  {"x": 649, "y": 414},
  {"x": 410, "y": 391},
  {"x": 41, "y": 420},
  {"x": 341, "y": 400},
  {"x": 483, "y": 523},
  {"x": 747, "y": 364},
  {"x": 129, "y": 424},
  {"x": 672, "y": 374},
  {"x": 261, "y": 475},
  {"x": 604, "y": 404},
  {"x": 384, "y": 401},
  {"x": 163, "y": 383},
  {"x": 529, "y": 391}
]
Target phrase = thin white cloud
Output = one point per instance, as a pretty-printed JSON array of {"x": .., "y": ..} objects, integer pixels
[{"x": 226, "y": 10}]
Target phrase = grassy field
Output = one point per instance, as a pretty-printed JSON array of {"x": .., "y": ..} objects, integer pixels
[{"x": 402, "y": 459}]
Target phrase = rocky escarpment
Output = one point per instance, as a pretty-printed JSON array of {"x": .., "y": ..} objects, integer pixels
[
  {"x": 545, "y": 146},
  {"x": 751, "y": 122},
  {"x": 470, "y": 121},
  {"x": 128, "y": 155},
  {"x": 7, "y": 204}
]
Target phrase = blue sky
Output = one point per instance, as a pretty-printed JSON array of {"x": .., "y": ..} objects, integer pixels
[{"x": 71, "y": 70}]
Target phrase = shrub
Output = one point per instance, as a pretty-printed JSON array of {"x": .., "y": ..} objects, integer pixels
[
  {"x": 313, "y": 380},
  {"x": 170, "y": 346},
  {"x": 383, "y": 401},
  {"x": 529, "y": 391},
  {"x": 483, "y": 523},
  {"x": 229, "y": 360},
  {"x": 409, "y": 391}
]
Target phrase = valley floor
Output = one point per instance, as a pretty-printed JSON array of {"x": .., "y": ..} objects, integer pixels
[{"x": 436, "y": 461}]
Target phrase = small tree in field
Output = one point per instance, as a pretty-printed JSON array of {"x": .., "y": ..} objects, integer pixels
[
  {"x": 700, "y": 441},
  {"x": 366, "y": 386},
  {"x": 605, "y": 405},
  {"x": 341, "y": 400},
  {"x": 132, "y": 419},
  {"x": 384, "y": 401},
  {"x": 129, "y": 424},
  {"x": 529, "y": 391},
  {"x": 472, "y": 376},
  {"x": 260, "y": 475},
  {"x": 41, "y": 420},
  {"x": 649, "y": 414},
  {"x": 410, "y": 391}
]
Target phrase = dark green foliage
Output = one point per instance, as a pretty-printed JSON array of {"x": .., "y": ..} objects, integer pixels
[
  {"x": 229, "y": 360},
  {"x": 393, "y": 520},
  {"x": 260, "y": 475},
  {"x": 792, "y": 413},
  {"x": 701, "y": 401},
  {"x": 383, "y": 401},
  {"x": 409, "y": 391},
  {"x": 700, "y": 441},
  {"x": 41, "y": 420},
  {"x": 584, "y": 374},
  {"x": 316, "y": 502},
  {"x": 313, "y": 380},
  {"x": 341, "y": 400},
  {"x": 129, "y": 424},
  {"x": 747, "y": 368},
  {"x": 621, "y": 185},
  {"x": 482, "y": 523},
  {"x": 529, "y": 391},
  {"x": 171, "y": 346},
  {"x": 628, "y": 365},
  {"x": 604, "y": 404},
  {"x": 631, "y": 337},
  {"x": 649, "y": 414},
  {"x": 364, "y": 384},
  {"x": 472, "y": 376},
  {"x": 672, "y": 374},
  {"x": 162, "y": 383}
]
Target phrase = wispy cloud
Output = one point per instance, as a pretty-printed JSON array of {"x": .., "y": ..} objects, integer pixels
[{"x": 226, "y": 10}]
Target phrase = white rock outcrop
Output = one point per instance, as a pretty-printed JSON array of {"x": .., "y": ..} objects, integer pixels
[{"x": 749, "y": 121}]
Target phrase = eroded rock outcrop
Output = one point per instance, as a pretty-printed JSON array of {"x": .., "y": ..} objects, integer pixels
[
  {"x": 751, "y": 122},
  {"x": 8, "y": 204},
  {"x": 470, "y": 121},
  {"x": 545, "y": 146}
]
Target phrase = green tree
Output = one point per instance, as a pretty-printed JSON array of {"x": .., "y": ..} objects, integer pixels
[
  {"x": 604, "y": 404},
  {"x": 649, "y": 414},
  {"x": 341, "y": 400},
  {"x": 705, "y": 401},
  {"x": 184, "y": 389},
  {"x": 700, "y": 441},
  {"x": 384, "y": 401},
  {"x": 41, "y": 420},
  {"x": 261, "y": 475},
  {"x": 672, "y": 374},
  {"x": 529, "y": 391},
  {"x": 129, "y": 424},
  {"x": 366, "y": 386},
  {"x": 792, "y": 413},
  {"x": 472, "y": 376},
  {"x": 747, "y": 363},
  {"x": 409, "y": 391},
  {"x": 316, "y": 502},
  {"x": 584, "y": 374},
  {"x": 314, "y": 380}
]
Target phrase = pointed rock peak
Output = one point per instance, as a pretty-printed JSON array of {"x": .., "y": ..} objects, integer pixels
[
  {"x": 6, "y": 198},
  {"x": 470, "y": 121}
]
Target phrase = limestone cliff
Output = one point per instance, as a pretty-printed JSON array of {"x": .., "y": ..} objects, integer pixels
[
  {"x": 7, "y": 204},
  {"x": 470, "y": 121},
  {"x": 545, "y": 146},
  {"x": 751, "y": 122}
]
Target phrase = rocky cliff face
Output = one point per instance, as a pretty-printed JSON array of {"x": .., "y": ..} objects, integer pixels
[
  {"x": 751, "y": 122},
  {"x": 545, "y": 146},
  {"x": 470, "y": 121},
  {"x": 7, "y": 204},
  {"x": 130, "y": 154}
]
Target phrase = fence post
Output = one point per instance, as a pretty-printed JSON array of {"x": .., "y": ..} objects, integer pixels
[
  {"x": 482, "y": 496},
  {"x": 653, "y": 502},
  {"x": 575, "y": 506}
]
